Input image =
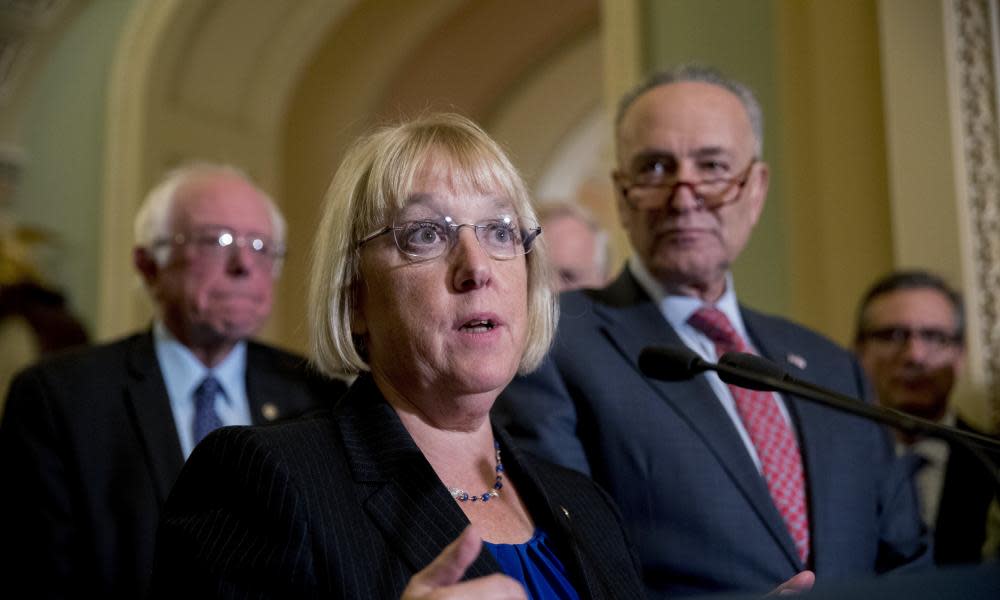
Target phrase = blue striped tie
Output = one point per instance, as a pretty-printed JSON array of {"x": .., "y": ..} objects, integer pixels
[{"x": 205, "y": 418}]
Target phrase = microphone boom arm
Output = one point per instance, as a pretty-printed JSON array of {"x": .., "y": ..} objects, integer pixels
[{"x": 888, "y": 416}]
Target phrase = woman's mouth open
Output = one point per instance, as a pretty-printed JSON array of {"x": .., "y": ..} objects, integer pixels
[{"x": 479, "y": 326}]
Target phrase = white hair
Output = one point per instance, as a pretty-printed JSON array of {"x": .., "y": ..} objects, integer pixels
[
  {"x": 152, "y": 222},
  {"x": 551, "y": 210}
]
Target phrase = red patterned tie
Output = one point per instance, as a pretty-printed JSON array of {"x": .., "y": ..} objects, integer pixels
[{"x": 769, "y": 432}]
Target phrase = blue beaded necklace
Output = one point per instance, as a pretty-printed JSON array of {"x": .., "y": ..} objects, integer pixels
[{"x": 464, "y": 496}]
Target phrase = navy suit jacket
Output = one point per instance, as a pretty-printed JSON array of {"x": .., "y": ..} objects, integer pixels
[
  {"x": 693, "y": 501},
  {"x": 344, "y": 505},
  {"x": 89, "y": 452}
]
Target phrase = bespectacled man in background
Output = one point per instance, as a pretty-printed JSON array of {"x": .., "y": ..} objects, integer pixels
[
  {"x": 910, "y": 338},
  {"x": 92, "y": 441}
]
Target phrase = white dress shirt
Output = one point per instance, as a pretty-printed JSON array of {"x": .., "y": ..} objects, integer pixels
[
  {"x": 929, "y": 479},
  {"x": 677, "y": 310},
  {"x": 183, "y": 372}
]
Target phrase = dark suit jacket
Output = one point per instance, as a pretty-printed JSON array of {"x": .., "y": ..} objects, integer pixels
[
  {"x": 693, "y": 502},
  {"x": 344, "y": 505},
  {"x": 966, "y": 493},
  {"x": 88, "y": 453}
]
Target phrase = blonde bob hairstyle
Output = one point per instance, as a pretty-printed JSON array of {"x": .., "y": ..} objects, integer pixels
[{"x": 372, "y": 184}]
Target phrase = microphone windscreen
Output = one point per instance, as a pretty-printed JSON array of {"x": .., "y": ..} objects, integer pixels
[
  {"x": 670, "y": 363},
  {"x": 754, "y": 363}
]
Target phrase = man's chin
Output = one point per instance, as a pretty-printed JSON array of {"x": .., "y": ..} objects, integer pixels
[
  {"x": 235, "y": 327},
  {"x": 242, "y": 329},
  {"x": 921, "y": 406}
]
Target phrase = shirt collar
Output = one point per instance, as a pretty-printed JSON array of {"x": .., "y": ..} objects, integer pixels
[
  {"x": 678, "y": 309},
  {"x": 187, "y": 372},
  {"x": 934, "y": 450}
]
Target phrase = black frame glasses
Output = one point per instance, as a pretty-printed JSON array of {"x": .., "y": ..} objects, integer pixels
[
  {"x": 896, "y": 337},
  {"x": 427, "y": 239},
  {"x": 653, "y": 191}
]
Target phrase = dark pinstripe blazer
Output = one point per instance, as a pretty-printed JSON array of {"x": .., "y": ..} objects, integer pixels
[
  {"x": 344, "y": 505},
  {"x": 89, "y": 451}
]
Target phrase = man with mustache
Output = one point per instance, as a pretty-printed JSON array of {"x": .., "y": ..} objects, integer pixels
[
  {"x": 721, "y": 489},
  {"x": 92, "y": 441},
  {"x": 910, "y": 339}
]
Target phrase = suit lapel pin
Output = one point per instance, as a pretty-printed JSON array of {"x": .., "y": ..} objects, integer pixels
[
  {"x": 269, "y": 411},
  {"x": 796, "y": 360},
  {"x": 564, "y": 511}
]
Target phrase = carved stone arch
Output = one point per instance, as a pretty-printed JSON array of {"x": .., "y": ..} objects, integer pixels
[
  {"x": 194, "y": 79},
  {"x": 253, "y": 81}
]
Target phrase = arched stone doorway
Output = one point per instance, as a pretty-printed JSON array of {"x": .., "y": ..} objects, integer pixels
[{"x": 280, "y": 88}]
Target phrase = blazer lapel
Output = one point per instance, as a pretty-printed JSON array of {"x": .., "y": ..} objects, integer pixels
[
  {"x": 148, "y": 406},
  {"x": 265, "y": 386},
  {"x": 629, "y": 314},
  {"x": 405, "y": 498},
  {"x": 550, "y": 516}
]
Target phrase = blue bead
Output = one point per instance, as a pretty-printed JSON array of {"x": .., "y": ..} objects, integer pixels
[
  {"x": 486, "y": 497},
  {"x": 497, "y": 485},
  {"x": 499, "y": 468}
]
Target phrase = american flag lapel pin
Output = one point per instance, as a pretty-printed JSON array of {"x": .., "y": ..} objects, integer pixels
[{"x": 796, "y": 360}]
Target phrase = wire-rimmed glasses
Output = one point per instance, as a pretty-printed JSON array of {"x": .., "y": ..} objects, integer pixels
[
  {"x": 424, "y": 239},
  {"x": 218, "y": 243}
]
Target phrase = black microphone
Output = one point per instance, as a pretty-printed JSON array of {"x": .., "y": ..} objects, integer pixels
[
  {"x": 753, "y": 363},
  {"x": 758, "y": 364},
  {"x": 758, "y": 373},
  {"x": 671, "y": 363},
  {"x": 746, "y": 371},
  {"x": 678, "y": 363}
]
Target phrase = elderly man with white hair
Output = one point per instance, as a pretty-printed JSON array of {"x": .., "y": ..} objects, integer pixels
[
  {"x": 92, "y": 441},
  {"x": 578, "y": 245}
]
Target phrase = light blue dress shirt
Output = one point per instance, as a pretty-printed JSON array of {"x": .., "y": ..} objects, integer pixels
[
  {"x": 677, "y": 310},
  {"x": 183, "y": 372}
]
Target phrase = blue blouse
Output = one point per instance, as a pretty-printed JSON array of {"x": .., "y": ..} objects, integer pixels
[{"x": 536, "y": 566}]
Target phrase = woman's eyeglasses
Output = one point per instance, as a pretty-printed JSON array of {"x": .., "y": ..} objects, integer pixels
[{"x": 425, "y": 239}]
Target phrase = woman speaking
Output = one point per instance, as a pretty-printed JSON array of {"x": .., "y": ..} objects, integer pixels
[{"x": 429, "y": 281}]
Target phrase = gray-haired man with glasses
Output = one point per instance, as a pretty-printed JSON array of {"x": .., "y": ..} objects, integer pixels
[
  {"x": 91, "y": 442},
  {"x": 220, "y": 243},
  {"x": 721, "y": 488},
  {"x": 910, "y": 339}
]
